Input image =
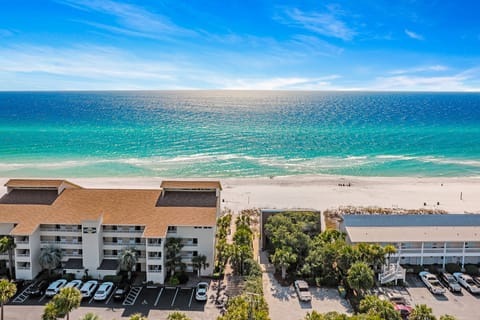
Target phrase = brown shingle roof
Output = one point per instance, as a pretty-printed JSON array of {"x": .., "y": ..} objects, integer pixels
[
  {"x": 191, "y": 184},
  {"x": 32, "y": 183},
  {"x": 116, "y": 206}
]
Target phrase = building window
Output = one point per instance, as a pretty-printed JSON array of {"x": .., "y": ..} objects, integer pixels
[
  {"x": 195, "y": 240},
  {"x": 195, "y": 253},
  {"x": 172, "y": 229}
]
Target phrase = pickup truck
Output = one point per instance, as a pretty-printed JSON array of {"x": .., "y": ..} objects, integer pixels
[
  {"x": 467, "y": 282},
  {"x": 431, "y": 281}
]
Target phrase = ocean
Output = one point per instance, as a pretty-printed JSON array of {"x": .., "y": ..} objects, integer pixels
[{"x": 238, "y": 134}]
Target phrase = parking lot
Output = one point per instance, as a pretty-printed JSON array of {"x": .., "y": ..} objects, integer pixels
[
  {"x": 464, "y": 306},
  {"x": 141, "y": 299},
  {"x": 283, "y": 302}
]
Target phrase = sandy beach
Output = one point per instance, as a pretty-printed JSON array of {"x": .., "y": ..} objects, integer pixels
[{"x": 455, "y": 195}]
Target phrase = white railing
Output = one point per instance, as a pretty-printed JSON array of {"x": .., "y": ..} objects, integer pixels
[
  {"x": 60, "y": 242},
  {"x": 149, "y": 270},
  {"x": 391, "y": 273},
  {"x": 60, "y": 229}
]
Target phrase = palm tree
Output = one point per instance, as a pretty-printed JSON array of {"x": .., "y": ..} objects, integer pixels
[
  {"x": 240, "y": 253},
  {"x": 50, "y": 311},
  {"x": 8, "y": 245},
  {"x": 137, "y": 316},
  {"x": 389, "y": 249},
  {"x": 173, "y": 246},
  {"x": 177, "y": 316},
  {"x": 360, "y": 276},
  {"x": 67, "y": 300},
  {"x": 373, "y": 305},
  {"x": 283, "y": 258},
  {"x": 422, "y": 312},
  {"x": 200, "y": 262},
  {"x": 90, "y": 316},
  {"x": 128, "y": 260},
  {"x": 50, "y": 258},
  {"x": 7, "y": 290}
]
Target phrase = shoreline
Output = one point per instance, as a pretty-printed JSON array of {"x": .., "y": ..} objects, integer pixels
[{"x": 320, "y": 192}]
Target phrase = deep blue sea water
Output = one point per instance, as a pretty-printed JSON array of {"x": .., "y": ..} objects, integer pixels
[{"x": 238, "y": 134}]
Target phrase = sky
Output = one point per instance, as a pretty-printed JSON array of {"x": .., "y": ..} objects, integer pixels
[{"x": 431, "y": 45}]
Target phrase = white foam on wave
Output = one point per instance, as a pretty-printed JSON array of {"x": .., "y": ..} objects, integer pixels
[{"x": 293, "y": 165}]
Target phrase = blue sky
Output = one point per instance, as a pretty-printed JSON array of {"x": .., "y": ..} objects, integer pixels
[{"x": 305, "y": 45}]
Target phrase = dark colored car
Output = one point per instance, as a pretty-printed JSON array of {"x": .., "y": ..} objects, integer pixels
[
  {"x": 121, "y": 292},
  {"x": 38, "y": 289},
  {"x": 450, "y": 282}
]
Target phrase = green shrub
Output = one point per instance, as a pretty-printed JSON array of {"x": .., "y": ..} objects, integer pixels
[
  {"x": 174, "y": 281},
  {"x": 69, "y": 276},
  {"x": 453, "y": 267},
  {"x": 434, "y": 268},
  {"x": 471, "y": 269},
  {"x": 112, "y": 278},
  {"x": 182, "y": 277}
]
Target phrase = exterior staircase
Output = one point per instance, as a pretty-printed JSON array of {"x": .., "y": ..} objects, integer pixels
[{"x": 392, "y": 272}]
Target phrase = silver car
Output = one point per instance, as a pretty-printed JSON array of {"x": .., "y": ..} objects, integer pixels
[{"x": 302, "y": 291}]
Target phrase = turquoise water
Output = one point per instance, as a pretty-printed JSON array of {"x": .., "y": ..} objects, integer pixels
[{"x": 238, "y": 134}]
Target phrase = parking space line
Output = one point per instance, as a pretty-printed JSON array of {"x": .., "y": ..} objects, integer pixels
[
  {"x": 23, "y": 295},
  {"x": 175, "y": 297},
  {"x": 43, "y": 297},
  {"x": 158, "y": 297},
  {"x": 111, "y": 295},
  {"x": 91, "y": 299},
  {"x": 191, "y": 297}
]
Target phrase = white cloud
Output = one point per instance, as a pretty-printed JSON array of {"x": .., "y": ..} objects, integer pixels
[
  {"x": 324, "y": 23},
  {"x": 414, "y": 35},
  {"x": 280, "y": 83},
  {"x": 435, "y": 68},
  {"x": 455, "y": 82},
  {"x": 131, "y": 19}
]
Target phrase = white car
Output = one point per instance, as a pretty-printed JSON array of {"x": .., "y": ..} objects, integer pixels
[
  {"x": 466, "y": 281},
  {"x": 201, "y": 291},
  {"x": 302, "y": 290},
  {"x": 55, "y": 287},
  {"x": 432, "y": 283},
  {"x": 88, "y": 288},
  {"x": 74, "y": 284},
  {"x": 103, "y": 291}
]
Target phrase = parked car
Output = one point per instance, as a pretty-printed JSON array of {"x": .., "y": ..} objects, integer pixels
[
  {"x": 103, "y": 291},
  {"x": 432, "y": 283},
  {"x": 303, "y": 291},
  {"x": 201, "y": 291},
  {"x": 88, "y": 288},
  {"x": 55, "y": 287},
  {"x": 467, "y": 282},
  {"x": 450, "y": 282},
  {"x": 121, "y": 292},
  {"x": 74, "y": 284},
  {"x": 401, "y": 305},
  {"x": 38, "y": 289}
]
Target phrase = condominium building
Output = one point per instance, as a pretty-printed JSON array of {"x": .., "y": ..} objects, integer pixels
[
  {"x": 93, "y": 227},
  {"x": 420, "y": 239}
]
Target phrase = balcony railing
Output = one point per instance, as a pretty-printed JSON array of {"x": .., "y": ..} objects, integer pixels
[
  {"x": 154, "y": 244},
  {"x": 60, "y": 242},
  {"x": 124, "y": 244},
  {"x": 152, "y": 270},
  {"x": 21, "y": 241},
  {"x": 123, "y": 230},
  {"x": 155, "y": 258},
  {"x": 64, "y": 229},
  {"x": 23, "y": 254},
  {"x": 23, "y": 268}
]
